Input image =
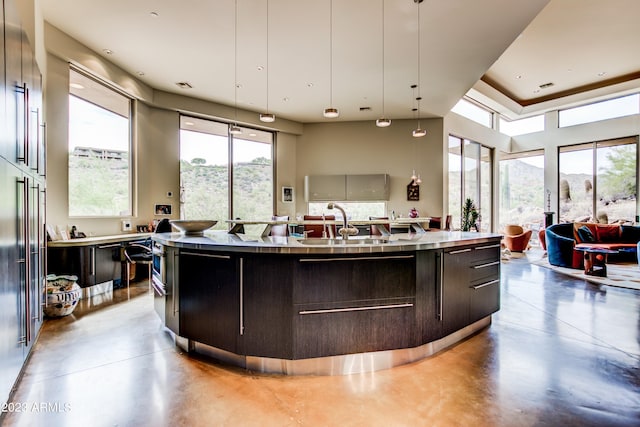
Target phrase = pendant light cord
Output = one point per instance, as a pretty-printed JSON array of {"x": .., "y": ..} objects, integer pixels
[
  {"x": 419, "y": 97},
  {"x": 331, "y": 53},
  {"x": 383, "y": 111},
  {"x": 267, "y": 56},
  {"x": 235, "y": 66}
]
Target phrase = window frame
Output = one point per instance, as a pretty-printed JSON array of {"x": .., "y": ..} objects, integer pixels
[
  {"x": 102, "y": 85},
  {"x": 230, "y": 141}
]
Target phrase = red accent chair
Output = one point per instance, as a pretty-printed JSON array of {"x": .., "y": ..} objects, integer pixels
[
  {"x": 516, "y": 238},
  {"x": 315, "y": 230}
]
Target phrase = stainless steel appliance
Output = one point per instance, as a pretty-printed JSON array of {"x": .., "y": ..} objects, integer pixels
[{"x": 158, "y": 279}]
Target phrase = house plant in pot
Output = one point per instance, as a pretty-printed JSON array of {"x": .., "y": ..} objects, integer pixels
[{"x": 470, "y": 216}]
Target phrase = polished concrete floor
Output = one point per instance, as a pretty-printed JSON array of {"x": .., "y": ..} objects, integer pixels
[{"x": 561, "y": 352}]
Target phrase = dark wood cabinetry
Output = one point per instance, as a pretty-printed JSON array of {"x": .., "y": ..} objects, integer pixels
[
  {"x": 22, "y": 211},
  {"x": 293, "y": 306},
  {"x": 210, "y": 298},
  {"x": 470, "y": 285},
  {"x": 92, "y": 264},
  {"x": 267, "y": 305},
  {"x": 353, "y": 304}
]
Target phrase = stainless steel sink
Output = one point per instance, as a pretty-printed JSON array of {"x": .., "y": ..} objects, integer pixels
[{"x": 341, "y": 242}]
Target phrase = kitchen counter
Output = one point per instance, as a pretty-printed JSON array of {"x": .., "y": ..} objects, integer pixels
[
  {"x": 98, "y": 240},
  {"x": 323, "y": 306},
  {"x": 223, "y": 241}
]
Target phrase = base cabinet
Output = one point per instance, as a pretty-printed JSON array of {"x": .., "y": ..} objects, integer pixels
[
  {"x": 353, "y": 304},
  {"x": 471, "y": 285},
  {"x": 292, "y": 306},
  {"x": 210, "y": 299}
]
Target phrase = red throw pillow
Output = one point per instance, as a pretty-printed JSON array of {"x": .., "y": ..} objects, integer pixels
[{"x": 608, "y": 233}]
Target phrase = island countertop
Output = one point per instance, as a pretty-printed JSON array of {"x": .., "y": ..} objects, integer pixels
[{"x": 223, "y": 241}]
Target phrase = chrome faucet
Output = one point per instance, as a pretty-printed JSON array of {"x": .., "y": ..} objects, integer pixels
[{"x": 346, "y": 230}]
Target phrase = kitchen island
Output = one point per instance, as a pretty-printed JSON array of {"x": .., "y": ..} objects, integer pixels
[{"x": 325, "y": 306}]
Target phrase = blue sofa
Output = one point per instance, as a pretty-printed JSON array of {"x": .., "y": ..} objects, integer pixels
[
  {"x": 561, "y": 240},
  {"x": 560, "y": 243}
]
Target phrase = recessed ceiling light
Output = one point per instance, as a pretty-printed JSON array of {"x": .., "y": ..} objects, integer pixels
[
  {"x": 154, "y": 14},
  {"x": 108, "y": 51},
  {"x": 76, "y": 86},
  {"x": 184, "y": 85},
  {"x": 285, "y": 99},
  {"x": 518, "y": 77},
  {"x": 260, "y": 68},
  {"x": 309, "y": 84},
  {"x": 602, "y": 73},
  {"x": 189, "y": 123},
  {"x": 536, "y": 91},
  {"x": 238, "y": 86},
  {"x": 253, "y": 134},
  {"x": 140, "y": 73}
]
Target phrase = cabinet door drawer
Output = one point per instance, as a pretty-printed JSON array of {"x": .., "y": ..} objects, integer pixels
[
  {"x": 484, "y": 272},
  {"x": 339, "y": 330},
  {"x": 485, "y": 299},
  {"x": 485, "y": 253}
]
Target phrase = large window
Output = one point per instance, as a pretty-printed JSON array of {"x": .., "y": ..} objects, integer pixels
[
  {"x": 522, "y": 126},
  {"x": 522, "y": 192},
  {"x": 474, "y": 112},
  {"x": 99, "y": 149},
  {"x": 598, "y": 181},
  {"x": 225, "y": 176},
  {"x": 470, "y": 176},
  {"x": 612, "y": 108}
]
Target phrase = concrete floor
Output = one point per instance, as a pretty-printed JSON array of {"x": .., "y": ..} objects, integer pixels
[{"x": 560, "y": 352}]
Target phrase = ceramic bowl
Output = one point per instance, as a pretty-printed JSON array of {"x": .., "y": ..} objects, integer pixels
[{"x": 192, "y": 227}]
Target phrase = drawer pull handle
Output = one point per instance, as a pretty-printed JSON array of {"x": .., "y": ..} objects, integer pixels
[
  {"x": 372, "y": 258},
  {"x": 489, "y": 264},
  {"x": 487, "y": 247},
  {"x": 486, "y": 284},
  {"x": 460, "y": 251},
  {"x": 348, "y": 309},
  {"x": 207, "y": 255}
]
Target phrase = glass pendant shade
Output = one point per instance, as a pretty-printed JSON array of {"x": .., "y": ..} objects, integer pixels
[
  {"x": 234, "y": 130},
  {"x": 267, "y": 117},
  {"x": 331, "y": 113},
  {"x": 383, "y": 123},
  {"x": 418, "y": 133}
]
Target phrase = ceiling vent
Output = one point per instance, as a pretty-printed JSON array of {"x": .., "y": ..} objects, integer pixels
[
  {"x": 184, "y": 85},
  {"x": 546, "y": 85},
  {"x": 365, "y": 108}
]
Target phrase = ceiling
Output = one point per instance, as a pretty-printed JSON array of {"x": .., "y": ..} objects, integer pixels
[{"x": 297, "y": 57}]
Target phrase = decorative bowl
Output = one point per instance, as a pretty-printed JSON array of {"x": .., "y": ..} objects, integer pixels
[
  {"x": 192, "y": 227},
  {"x": 62, "y": 295}
]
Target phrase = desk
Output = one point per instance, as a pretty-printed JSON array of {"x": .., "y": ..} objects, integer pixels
[{"x": 97, "y": 261}]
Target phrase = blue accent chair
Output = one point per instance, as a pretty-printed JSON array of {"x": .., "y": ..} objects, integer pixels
[{"x": 560, "y": 243}]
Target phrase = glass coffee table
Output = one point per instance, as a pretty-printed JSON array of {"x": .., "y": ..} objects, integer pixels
[{"x": 595, "y": 260}]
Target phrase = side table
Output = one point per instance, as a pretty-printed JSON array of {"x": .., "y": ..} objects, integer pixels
[{"x": 595, "y": 260}]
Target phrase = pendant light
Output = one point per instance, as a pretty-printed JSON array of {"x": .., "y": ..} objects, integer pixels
[
  {"x": 331, "y": 112},
  {"x": 267, "y": 117},
  {"x": 234, "y": 129},
  {"x": 415, "y": 179},
  {"x": 383, "y": 122},
  {"x": 418, "y": 132}
]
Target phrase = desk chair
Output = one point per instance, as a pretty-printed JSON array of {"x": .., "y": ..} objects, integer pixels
[
  {"x": 373, "y": 230},
  {"x": 136, "y": 253},
  {"x": 280, "y": 229}
]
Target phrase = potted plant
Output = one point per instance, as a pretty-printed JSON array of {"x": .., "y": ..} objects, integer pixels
[{"x": 470, "y": 216}]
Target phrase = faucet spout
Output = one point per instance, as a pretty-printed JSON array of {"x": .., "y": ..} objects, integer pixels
[{"x": 345, "y": 231}]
